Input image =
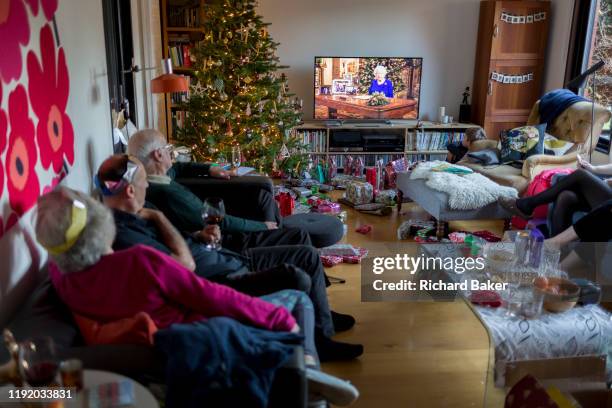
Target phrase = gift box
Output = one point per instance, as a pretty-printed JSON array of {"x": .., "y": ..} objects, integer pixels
[
  {"x": 386, "y": 197},
  {"x": 358, "y": 192},
  {"x": 286, "y": 203},
  {"x": 409, "y": 228},
  {"x": 326, "y": 207},
  {"x": 330, "y": 260},
  {"x": 355, "y": 259},
  {"x": 339, "y": 250}
]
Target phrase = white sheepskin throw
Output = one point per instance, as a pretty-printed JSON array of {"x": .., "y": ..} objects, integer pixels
[{"x": 465, "y": 192}]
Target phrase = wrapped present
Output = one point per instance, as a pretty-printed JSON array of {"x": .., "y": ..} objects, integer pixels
[
  {"x": 487, "y": 236},
  {"x": 355, "y": 259},
  {"x": 286, "y": 204},
  {"x": 358, "y": 167},
  {"x": 390, "y": 176},
  {"x": 358, "y": 192},
  {"x": 371, "y": 177},
  {"x": 340, "y": 181},
  {"x": 458, "y": 237},
  {"x": 400, "y": 165},
  {"x": 386, "y": 197},
  {"x": 330, "y": 260},
  {"x": 409, "y": 228},
  {"x": 339, "y": 250},
  {"x": 348, "y": 165},
  {"x": 332, "y": 169}
]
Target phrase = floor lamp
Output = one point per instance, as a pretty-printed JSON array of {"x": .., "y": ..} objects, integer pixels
[
  {"x": 578, "y": 83},
  {"x": 168, "y": 82}
]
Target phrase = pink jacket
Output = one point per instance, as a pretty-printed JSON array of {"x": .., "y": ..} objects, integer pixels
[{"x": 141, "y": 279}]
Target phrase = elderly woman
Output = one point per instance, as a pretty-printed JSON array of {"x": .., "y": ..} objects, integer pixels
[
  {"x": 78, "y": 233},
  {"x": 380, "y": 83}
]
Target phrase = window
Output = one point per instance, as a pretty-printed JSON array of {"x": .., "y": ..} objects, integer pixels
[{"x": 601, "y": 49}]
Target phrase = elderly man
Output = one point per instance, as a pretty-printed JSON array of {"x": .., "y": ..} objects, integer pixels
[
  {"x": 123, "y": 183},
  {"x": 184, "y": 209}
]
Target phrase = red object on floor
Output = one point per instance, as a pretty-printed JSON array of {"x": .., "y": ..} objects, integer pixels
[
  {"x": 286, "y": 203},
  {"x": 330, "y": 260},
  {"x": 364, "y": 229},
  {"x": 486, "y": 298},
  {"x": 540, "y": 183}
]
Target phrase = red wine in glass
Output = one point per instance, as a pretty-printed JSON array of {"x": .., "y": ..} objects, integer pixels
[
  {"x": 38, "y": 362},
  {"x": 41, "y": 374},
  {"x": 213, "y": 212}
]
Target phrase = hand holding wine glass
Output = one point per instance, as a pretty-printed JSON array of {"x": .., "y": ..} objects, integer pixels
[{"x": 213, "y": 212}]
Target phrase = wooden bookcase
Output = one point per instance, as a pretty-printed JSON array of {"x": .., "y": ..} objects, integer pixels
[
  {"x": 517, "y": 51},
  {"x": 418, "y": 139},
  {"x": 182, "y": 27}
]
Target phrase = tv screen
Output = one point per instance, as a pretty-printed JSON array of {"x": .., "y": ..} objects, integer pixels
[{"x": 367, "y": 88}]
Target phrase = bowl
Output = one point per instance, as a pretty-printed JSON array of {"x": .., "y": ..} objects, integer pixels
[{"x": 560, "y": 294}]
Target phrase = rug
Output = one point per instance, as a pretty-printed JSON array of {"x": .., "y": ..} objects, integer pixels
[{"x": 465, "y": 192}]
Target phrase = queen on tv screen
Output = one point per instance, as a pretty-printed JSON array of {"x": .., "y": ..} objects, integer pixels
[{"x": 367, "y": 88}]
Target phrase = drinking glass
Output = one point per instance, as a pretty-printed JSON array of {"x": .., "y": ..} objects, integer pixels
[
  {"x": 549, "y": 261},
  {"x": 523, "y": 301},
  {"x": 213, "y": 212},
  {"x": 236, "y": 157},
  {"x": 71, "y": 372},
  {"x": 38, "y": 362},
  {"x": 521, "y": 248}
]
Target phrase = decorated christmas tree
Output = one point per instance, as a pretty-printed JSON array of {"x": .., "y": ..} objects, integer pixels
[{"x": 237, "y": 96}]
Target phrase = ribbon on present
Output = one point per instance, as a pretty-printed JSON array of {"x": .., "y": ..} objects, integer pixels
[{"x": 286, "y": 204}]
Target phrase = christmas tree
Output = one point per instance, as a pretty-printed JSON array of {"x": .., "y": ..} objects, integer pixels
[{"x": 237, "y": 97}]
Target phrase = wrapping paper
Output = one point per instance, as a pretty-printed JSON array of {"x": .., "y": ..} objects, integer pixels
[
  {"x": 286, "y": 204},
  {"x": 358, "y": 192},
  {"x": 386, "y": 197}
]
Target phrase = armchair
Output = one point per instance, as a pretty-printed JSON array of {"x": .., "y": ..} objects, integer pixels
[{"x": 573, "y": 124}]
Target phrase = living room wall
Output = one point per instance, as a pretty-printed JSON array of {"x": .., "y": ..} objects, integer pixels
[
  {"x": 443, "y": 32},
  {"x": 80, "y": 37}
]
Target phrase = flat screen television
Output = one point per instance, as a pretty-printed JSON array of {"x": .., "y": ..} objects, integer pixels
[{"x": 367, "y": 88}]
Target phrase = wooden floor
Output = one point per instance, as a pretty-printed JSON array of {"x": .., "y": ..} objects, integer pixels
[{"x": 416, "y": 354}]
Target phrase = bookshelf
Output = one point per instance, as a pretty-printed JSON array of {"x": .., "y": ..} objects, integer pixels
[
  {"x": 181, "y": 26},
  {"x": 420, "y": 140}
]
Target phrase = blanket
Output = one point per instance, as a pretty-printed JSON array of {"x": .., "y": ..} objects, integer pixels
[
  {"x": 465, "y": 191},
  {"x": 220, "y": 362},
  {"x": 553, "y": 103}
]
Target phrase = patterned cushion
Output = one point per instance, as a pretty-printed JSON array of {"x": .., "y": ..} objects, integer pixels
[
  {"x": 519, "y": 143},
  {"x": 556, "y": 147}
]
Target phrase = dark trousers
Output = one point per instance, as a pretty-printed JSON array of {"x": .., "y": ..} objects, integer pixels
[
  {"x": 240, "y": 242},
  {"x": 285, "y": 267},
  {"x": 579, "y": 191}
]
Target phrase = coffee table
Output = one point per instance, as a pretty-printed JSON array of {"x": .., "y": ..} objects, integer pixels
[
  {"x": 436, "y": 204},
  {"x": 552, "y": 346}
]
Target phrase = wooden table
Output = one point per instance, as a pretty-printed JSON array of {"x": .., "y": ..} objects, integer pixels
[{"x": 396, "y": 109}]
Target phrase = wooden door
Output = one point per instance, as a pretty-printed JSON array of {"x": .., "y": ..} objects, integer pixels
[
  {"x": 524, "y": 38},
  {"x": 517, "y": 94}
]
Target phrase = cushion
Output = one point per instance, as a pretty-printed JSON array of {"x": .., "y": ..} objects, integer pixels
[
  {"x": 485, "y": 157},
  {"x": 555, "y": 146},
  {"x": 522, "y": 142},
  {"x": 138, "y": 329},
  {"x": 324, "y": 230}
]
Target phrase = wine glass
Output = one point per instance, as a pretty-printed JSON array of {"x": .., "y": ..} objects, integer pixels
[
  {"x": 213, "y": 212},
  {"x": 236, "y": 157},
  {"x": 38, "y": 362}
]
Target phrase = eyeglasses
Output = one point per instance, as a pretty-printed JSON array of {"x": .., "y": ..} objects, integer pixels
[{"x": 112, "y": 187}]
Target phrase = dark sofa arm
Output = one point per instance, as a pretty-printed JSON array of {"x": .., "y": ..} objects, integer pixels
[
  {"x": 250, "y": 197},
  {"x": 290, "y": 388}
]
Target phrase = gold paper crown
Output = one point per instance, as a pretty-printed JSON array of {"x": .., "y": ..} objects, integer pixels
[{"x": 78, "y": 220}]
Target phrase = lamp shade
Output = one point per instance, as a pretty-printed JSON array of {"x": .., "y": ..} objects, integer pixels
[{"x": 168, "y": 81}]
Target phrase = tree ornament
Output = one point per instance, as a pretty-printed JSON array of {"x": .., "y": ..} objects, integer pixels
[
  {"x": 223, "y": 96},
  {"x": 247, "y": 111},
  {"x": 197, "y": 89},
  {"x": 247, "y": 80},
  {"x": 219, "y": 85},
  {"x": 281, "y": 123},
  {"x": 284, "y": 152},
  {"x": 222, "y": 119},
  {"x": 229, "y": 132}
]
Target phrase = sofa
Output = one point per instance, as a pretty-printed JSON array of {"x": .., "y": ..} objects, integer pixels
[{"x": 573, "y": 124}]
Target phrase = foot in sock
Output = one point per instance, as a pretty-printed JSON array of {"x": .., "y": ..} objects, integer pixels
[
  {"x": 332, "y": 389},
  {"x": 515, "y": 207},
  {"x": 342, "y": 322},
  {"x": 330, "y": 350}
]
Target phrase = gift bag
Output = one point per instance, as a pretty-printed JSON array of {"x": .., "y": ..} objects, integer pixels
[
  {"x": 286, "y": 204},
  {"x": 332, "y": 169},
  {"x": 348, "y": 165},
  {"x": 371, "y": 176},
  {"x": 358, "y": 167}
]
